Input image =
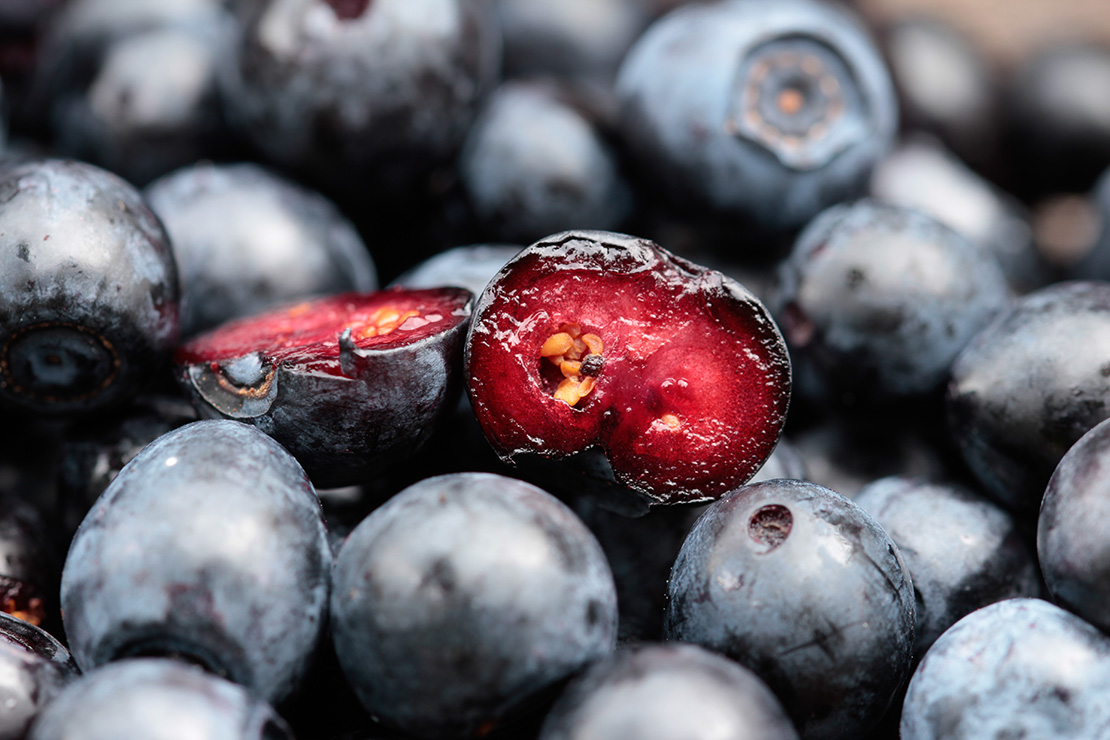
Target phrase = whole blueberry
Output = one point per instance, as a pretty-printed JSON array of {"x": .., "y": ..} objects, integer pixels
[
  {"x": 802, "y": 586},
  {"x": 156, "y": 699},
  {"x": 367, "y": 91},
  {"x": 880, "y": 299},
  {"x": 962, "y": 551},
  {"x": 764, "y": 110},
  {"x": 534, "y": 165},
  {"x": 1071, "y": 529},
  {"x": 662, "y": 692},
  {"x": 88, "y": 288},
  {"x": 1029, "y": 385},
  {"x": 209, "y": 545},
  {"x": 1020, "y": 668},
  {"x": 131, "y": 87},
  {"x": 34, "y": 668},
  {"x": 247, "y": 239},
  {"x": 463, "y": 598}
]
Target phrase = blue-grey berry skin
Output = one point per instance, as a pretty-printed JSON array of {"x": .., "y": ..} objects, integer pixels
[
  {"x": 157, "y": 699},
  {"x": 583, "y": 39},
  {"x": 384, "y": 88},
  {"x": 534, "y": 165},
  {"x": 664, "y": 692},
  {"x": 962, "y": 551},
  {"x": 209, "y": 544},
  {"x": 464, "y": 597},
  {"x": 470, "y": 267},
  {"x": 922, "y": 174},
  {"x": 1020, "y": 668},
  {"x": 802, "y": 586},
  {"x": 247, "y": 239},
  {"x": 880, "y": 299},
  {"x": 765, "y": 110},
  {"x": 88, "y": 288},
  {"x": 1071, "y": 530},
  {"x": 1028, "y": 386},
  {"x": 34, "y": 668}
]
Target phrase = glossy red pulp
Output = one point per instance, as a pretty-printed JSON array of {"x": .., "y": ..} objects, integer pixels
[
  {"x": 691, "y": 395},
  {"x": 307, "y": 334}
]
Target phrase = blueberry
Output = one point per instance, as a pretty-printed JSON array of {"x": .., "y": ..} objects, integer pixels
[
  {"x": 133, "y": 89},
  {"x": 247, "y": 239},
  {"x": 802, "y": 586},
  {"x": 533, "y": 164},
  {"x": 1071, "y": 540},
  {"x": 370, "y": 92},
  {"x": 350, "y": 384},
  {"x": 575, "y": 38},
  {"x": 764, "y": 110},
  {"x": 945, "y": 85},
  {"x": 156, "y": 699},
  {"x": 464, "y": 598},
  {"x": 1020, "y": 668},
  {"x": 209, "y": 545},
  {"x": 922, "y": 174},
  {"x": 1029, "y": 386},
  {"x": 88, "y": 288},
  {"x": 1059, "y": 135},
  {"x": 962, "y": 551},
  {"x": 662, "y": 692},
  {"x": 34, "y": 668},
  {"x": 687, "y": 390},
  {"x": 880, "y": 299},
  {"x": 470, "y": 267}
]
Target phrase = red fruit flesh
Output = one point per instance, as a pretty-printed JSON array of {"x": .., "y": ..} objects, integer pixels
[
  {"x": 306, "y": 335},
  {"x": 689, "y": 395}
]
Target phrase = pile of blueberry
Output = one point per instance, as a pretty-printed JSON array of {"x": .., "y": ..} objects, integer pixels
[{"x": 578, "y": 370}]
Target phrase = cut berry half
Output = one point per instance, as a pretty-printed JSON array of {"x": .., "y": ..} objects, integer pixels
[
  {"x": 597, "y": 340},
  {"x": 346, "y": 383}
]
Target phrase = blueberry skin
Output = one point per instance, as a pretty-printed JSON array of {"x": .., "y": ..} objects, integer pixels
[
  {"x": 470, "y": 267},
  {"x": 945, "y": 85},
  {"x": 576, "y": 38},
  {"x": 132, "y": 86},
  {"x": 802, "y": 586},
  {"x": 88, "y": 288},
  {"x": 210, "y": 544},
  {"x": 386, "y": 91},
  {"x": 880, "y": 299},
  {"x": 1018, "y": 668},
  {"x": 34, "y": 668},
  {"x": 463, "y": 597},
  {"x": 962, "y": 551},
  {"x": 157, "y": 699},
  {"x": 534, "y": 165},
  {"x": 703, "y": 92},
  {"x": 247, "y": 239},
  {"x": 922, "y": 174},
  {"x": 1071, "y": 539},
  {"x": 662, "y": 692},
  {"x": 1029, "y": 386}
]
